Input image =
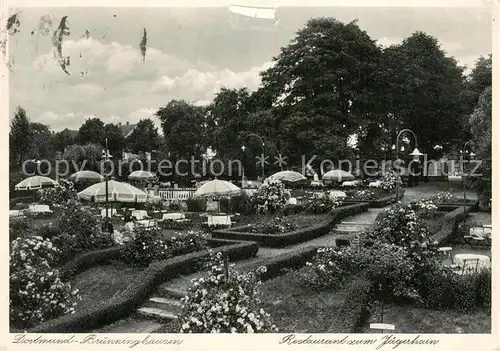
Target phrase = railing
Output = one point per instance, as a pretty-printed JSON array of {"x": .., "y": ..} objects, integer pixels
[{"x": 176, "y": 194}]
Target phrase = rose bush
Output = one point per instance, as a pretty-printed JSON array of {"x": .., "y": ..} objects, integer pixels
[
  {"x": 36, "y": 291},
  {"x": 148, "y": 245},
  {"x": 275, "y": 225},
  {"x": 59, "y": 194},
  {"x": 322, "y": 204},
  {"x": 271, "y": 196},
  {"x": 389, "y": 180},
  {"x": 218, "y": 303}
]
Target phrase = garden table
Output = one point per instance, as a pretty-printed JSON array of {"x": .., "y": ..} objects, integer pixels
[
  {"x": 472, "y": 262},
  {"x": 173, "y": 216},
  {"x": 375, "y": 184}
]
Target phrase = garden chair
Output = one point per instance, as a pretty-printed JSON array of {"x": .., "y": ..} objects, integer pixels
[
  {"x": 111, "y": 212},
  {"x": 382, "y": 326},
  {"x": 447, "y": 251}
]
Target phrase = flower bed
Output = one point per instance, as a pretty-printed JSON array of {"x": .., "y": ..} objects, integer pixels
[
  {"x": 128, "y": 301},
  {"x": 384, "y": 198},
  {"x": 296, "y": 236}
]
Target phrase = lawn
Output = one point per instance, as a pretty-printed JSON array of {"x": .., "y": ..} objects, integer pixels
[
  {"x": 104, "y": 282},
  {"x": 418, "y": 320}
]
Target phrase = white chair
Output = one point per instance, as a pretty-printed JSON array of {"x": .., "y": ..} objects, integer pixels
[
  {"x": 173, "y": 216},
  {"x": 219, "y": 221},
  {"x": 337, "y": 194},
  {"x": 111, "y": 212},
  {"x": 375, "y": 184}
]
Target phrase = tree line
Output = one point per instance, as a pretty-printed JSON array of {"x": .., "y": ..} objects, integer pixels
[{"x": 330, "y": 82}]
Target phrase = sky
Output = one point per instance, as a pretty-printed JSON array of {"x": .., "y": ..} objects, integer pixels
[{"x": 191, "y": 53}]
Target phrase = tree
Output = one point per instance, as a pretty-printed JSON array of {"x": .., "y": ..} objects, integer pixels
[
  {"x": 480, "y": 124},
  {"x": 424, "y": 90},
  {"x": 480, "y": 78},
  {"x": 20, "y": 137},
  {"x": 228, "y": 116},
  {"x": 85, "y": 157},
  {"x": 144, "y": 137},
  {"x": 321, "y": 87},
  {"x": 116, "y": 141},
  {"x": 62, "y": 139},
  {"x": 183, "y": 127},
  {"x": 92, "y": 131},
  {"x": 42, "y": 145}
]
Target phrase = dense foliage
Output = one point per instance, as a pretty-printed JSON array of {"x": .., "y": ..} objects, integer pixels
[
  {"x": 274, "y": 225},
  {"x": 271, "y": 196},
  {"x": 220, "y": 303}
]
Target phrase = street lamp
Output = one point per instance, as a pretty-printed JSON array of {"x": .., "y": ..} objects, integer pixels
[
  {"x": 243, "y": 149},
  {"x": 416, "y": 154},
  {"x": 471, "y": 154},
  {"x": 106, "y": 156},
  {"x": 263, "y": 145}
]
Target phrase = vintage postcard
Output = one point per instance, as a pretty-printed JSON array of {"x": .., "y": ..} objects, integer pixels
[{"x": 317, "y": 174}]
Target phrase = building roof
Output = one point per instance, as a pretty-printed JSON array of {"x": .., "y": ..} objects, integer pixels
[{"x": 126, "y": 128}]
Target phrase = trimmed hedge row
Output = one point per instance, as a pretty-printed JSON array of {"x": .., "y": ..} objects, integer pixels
[
  {"x": 451, "y": 221},
  {"x": 295, "y": 236},
  {"x": 275, "y": 266},
  {"x": 104, "y": 256},
  {"x": 129, "y": 300},
  {"x": 377, "y": 203},
  {"x": 353, "y": 314}
]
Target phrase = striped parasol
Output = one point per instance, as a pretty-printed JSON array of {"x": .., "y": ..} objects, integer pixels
[
  {"x": 35, "y": 182},
  {"x": 117, "y": 192},
  {"x": 289, "y": 177}
]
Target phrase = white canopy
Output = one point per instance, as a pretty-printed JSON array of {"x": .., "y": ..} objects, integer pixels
[
  {"x": 217, "y": 188},
  {"x": 35, "y": 182},
  {"x": 117, "y": 192}
]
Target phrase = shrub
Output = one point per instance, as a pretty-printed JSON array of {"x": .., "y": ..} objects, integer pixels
[
  {"x": 173, "y": 224},
  {"x": 389, "y": 180},
  {"x": 175, "y": 206},
  {"x": 195, "y": 205},
  {"x": 401, "y": 225},
  {"x": 271, "y": 196},
  {"x": 220, "y": 304},
  {"x": 80, "y": 231},
  {"x": 483, "y": 289},
  {"x": 21, "y": 227},
  {"x": 328, "y": 269},
  {"x": 49, "y": 230},
  {"x": 238, "y": 204},
  {"x": 363, "y": 194},
  {"x": 442, "y": 197},
  {"x": 148, "y": 246},
  {"x": 59, "y": 194},
  {"x": 322, "y": 204},
  {"x": 36, "y": 291},
  {"x": 426, "y": 209},
  {"x": 275, "y": 225}
]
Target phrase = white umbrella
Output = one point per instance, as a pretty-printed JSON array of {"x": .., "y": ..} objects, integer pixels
[
  {"x": 35, "y": 182},
  {"x": 289, "y": 176},
  {"x": 117, "y": 192},
  {"x": 86, "y": 176},
  {"x": 337, "y": 174},
  {"x": 141, "y": 175},
  {"x": 217, "y": 188}
]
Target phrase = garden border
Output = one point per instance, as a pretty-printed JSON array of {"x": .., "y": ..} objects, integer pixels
[
  {"x": 377, "y": 203},
  {"x": 139, "y": 290},
  {"x": 296, "y": 236},
  {"x": 451, "y": 220}
]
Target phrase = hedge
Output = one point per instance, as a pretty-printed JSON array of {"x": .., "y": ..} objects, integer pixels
[
  {"x": 275, "y": 266},
  {"x": 377, "y": 203},
  {"x": 353, "y": 313},
  {"x": 451, "y": 221},
  {"x": 105, "y": 256},
  {"x": 128, "y": 301},
  {"x": 295, "y": 236}
]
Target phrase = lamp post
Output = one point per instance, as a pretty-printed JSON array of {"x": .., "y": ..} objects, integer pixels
[
  {"x": 243, "y": 149},
  {"x": 106, "y": 156},
  {"x": 416, "y": 154},
  {"x": 263, "y": 145},
  {"x": 464, "y": 152}
]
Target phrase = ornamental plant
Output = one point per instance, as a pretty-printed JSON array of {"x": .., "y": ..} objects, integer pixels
[
  {"x": 389, "y": 180},
  {"x": 401, "y": 225},
  {"x": 59, "y": 194},
  {"x": 271, "y": 196},
  {"x": 148, "y": 245},
  {"x": 426, "y": 208},
  {"x": 364, "y": 194},
  {"x": 323, "y": 204},
  {"x": 36, "y": 291},
  {"x": 442, "y": 197},
  {"x": 224, "y": 302},
  {"x": 80, "y": 231},
  {"x": 276, "y": 225}
]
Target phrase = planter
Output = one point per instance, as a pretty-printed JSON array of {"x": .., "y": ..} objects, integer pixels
[{"x": 296, "y": 236}]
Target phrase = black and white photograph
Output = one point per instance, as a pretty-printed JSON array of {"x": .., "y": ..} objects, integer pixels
[{"x": 250, "y": 167}]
